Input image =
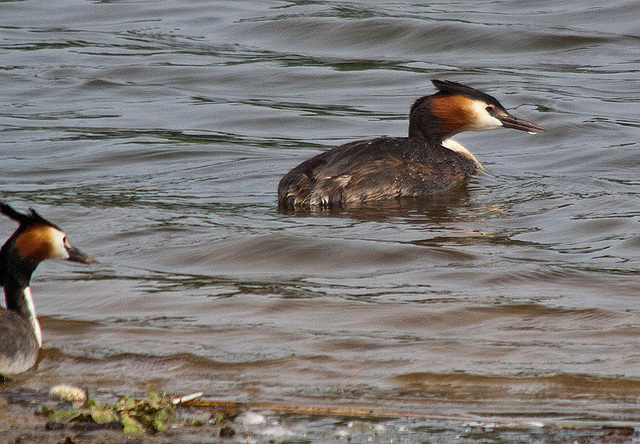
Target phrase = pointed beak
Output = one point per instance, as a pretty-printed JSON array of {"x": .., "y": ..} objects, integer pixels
[
  {"x": 76, "y": 255},
  {"x": 508, "y": 121}
]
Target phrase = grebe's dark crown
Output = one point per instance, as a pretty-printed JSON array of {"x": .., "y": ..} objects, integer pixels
[
  {"x": 453, "y": 88},
  {"x": 24, "y": 219},
  {"x": 447, "y": 87}
]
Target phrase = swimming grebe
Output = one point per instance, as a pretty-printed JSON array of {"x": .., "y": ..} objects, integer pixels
[
  {"x": 388, "y": 167},
  {"x": 35, "y": 240}
]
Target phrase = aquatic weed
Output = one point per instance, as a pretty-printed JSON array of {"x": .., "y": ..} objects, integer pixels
[{"x": 136, "y": 416}]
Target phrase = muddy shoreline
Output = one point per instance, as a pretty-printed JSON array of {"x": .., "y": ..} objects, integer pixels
[{"x": 22, "y": 421}]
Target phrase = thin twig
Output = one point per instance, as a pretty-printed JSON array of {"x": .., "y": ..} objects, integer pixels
[
  {"x": 186, "y": 398},
  {"x": 312, "y": 410},
  {"x": 356, "y": 374}
]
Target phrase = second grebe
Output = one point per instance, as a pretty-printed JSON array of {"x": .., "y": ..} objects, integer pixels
[
  {"x": 35, "y": 240},
  {"x": 389, "y": 167}
]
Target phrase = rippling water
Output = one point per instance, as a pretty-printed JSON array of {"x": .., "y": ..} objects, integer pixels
[{"x": 155, "y": 134}]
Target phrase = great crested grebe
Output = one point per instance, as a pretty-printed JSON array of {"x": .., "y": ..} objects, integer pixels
[
  {"x": 388, "y": 167},
  {"x": 35, "y": 240}
]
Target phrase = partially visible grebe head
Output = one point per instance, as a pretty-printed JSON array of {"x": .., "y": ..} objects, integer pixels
[
  {"x": 35, "y": 240},
  {"x": 456, "y": 108}
]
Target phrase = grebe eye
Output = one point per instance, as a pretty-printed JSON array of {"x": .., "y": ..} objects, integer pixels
[{"x": 489, "y": 109}]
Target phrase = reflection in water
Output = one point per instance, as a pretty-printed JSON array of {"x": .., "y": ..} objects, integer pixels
[{"x": 437, "y": 208}]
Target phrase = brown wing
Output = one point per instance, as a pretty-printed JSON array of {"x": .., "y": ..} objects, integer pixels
[{"x": 377, "y": 169}]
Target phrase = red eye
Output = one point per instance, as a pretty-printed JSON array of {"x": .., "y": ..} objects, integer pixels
[{"x": 489, "y": 109}]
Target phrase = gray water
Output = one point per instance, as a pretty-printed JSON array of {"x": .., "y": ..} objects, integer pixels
[{"x": 155, "y": 134}]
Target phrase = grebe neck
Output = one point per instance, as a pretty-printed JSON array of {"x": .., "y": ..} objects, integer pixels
[
  {"x": 20, "y": 300},
  {"x": 458, "y": 148}
]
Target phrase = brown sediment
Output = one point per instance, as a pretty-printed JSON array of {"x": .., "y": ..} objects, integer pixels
[{"x": 207, "y": 420}]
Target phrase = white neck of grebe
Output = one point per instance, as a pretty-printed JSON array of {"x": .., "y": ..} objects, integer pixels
[
  {"x": 458, "y": 148},
  {"x": 31, "y": 315}
]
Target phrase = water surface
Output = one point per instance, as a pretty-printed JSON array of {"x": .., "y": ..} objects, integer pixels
[{"x": 155, "y": 134}]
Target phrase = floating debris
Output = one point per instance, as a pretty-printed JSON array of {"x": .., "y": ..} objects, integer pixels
[
  {"x": 68, "y": 393},
  {"x": 187, "y": 398}
]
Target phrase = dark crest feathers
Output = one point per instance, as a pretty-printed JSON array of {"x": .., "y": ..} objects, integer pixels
[
  {"x": 455, "y": 88},
  {"x": 31, "y": 217},
  {"x": 449, "y": 87}
]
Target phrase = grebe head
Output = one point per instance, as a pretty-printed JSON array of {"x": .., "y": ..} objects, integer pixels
[
  {"x": 35, "y": 240},
  {"x": 456, "y": 108}
]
